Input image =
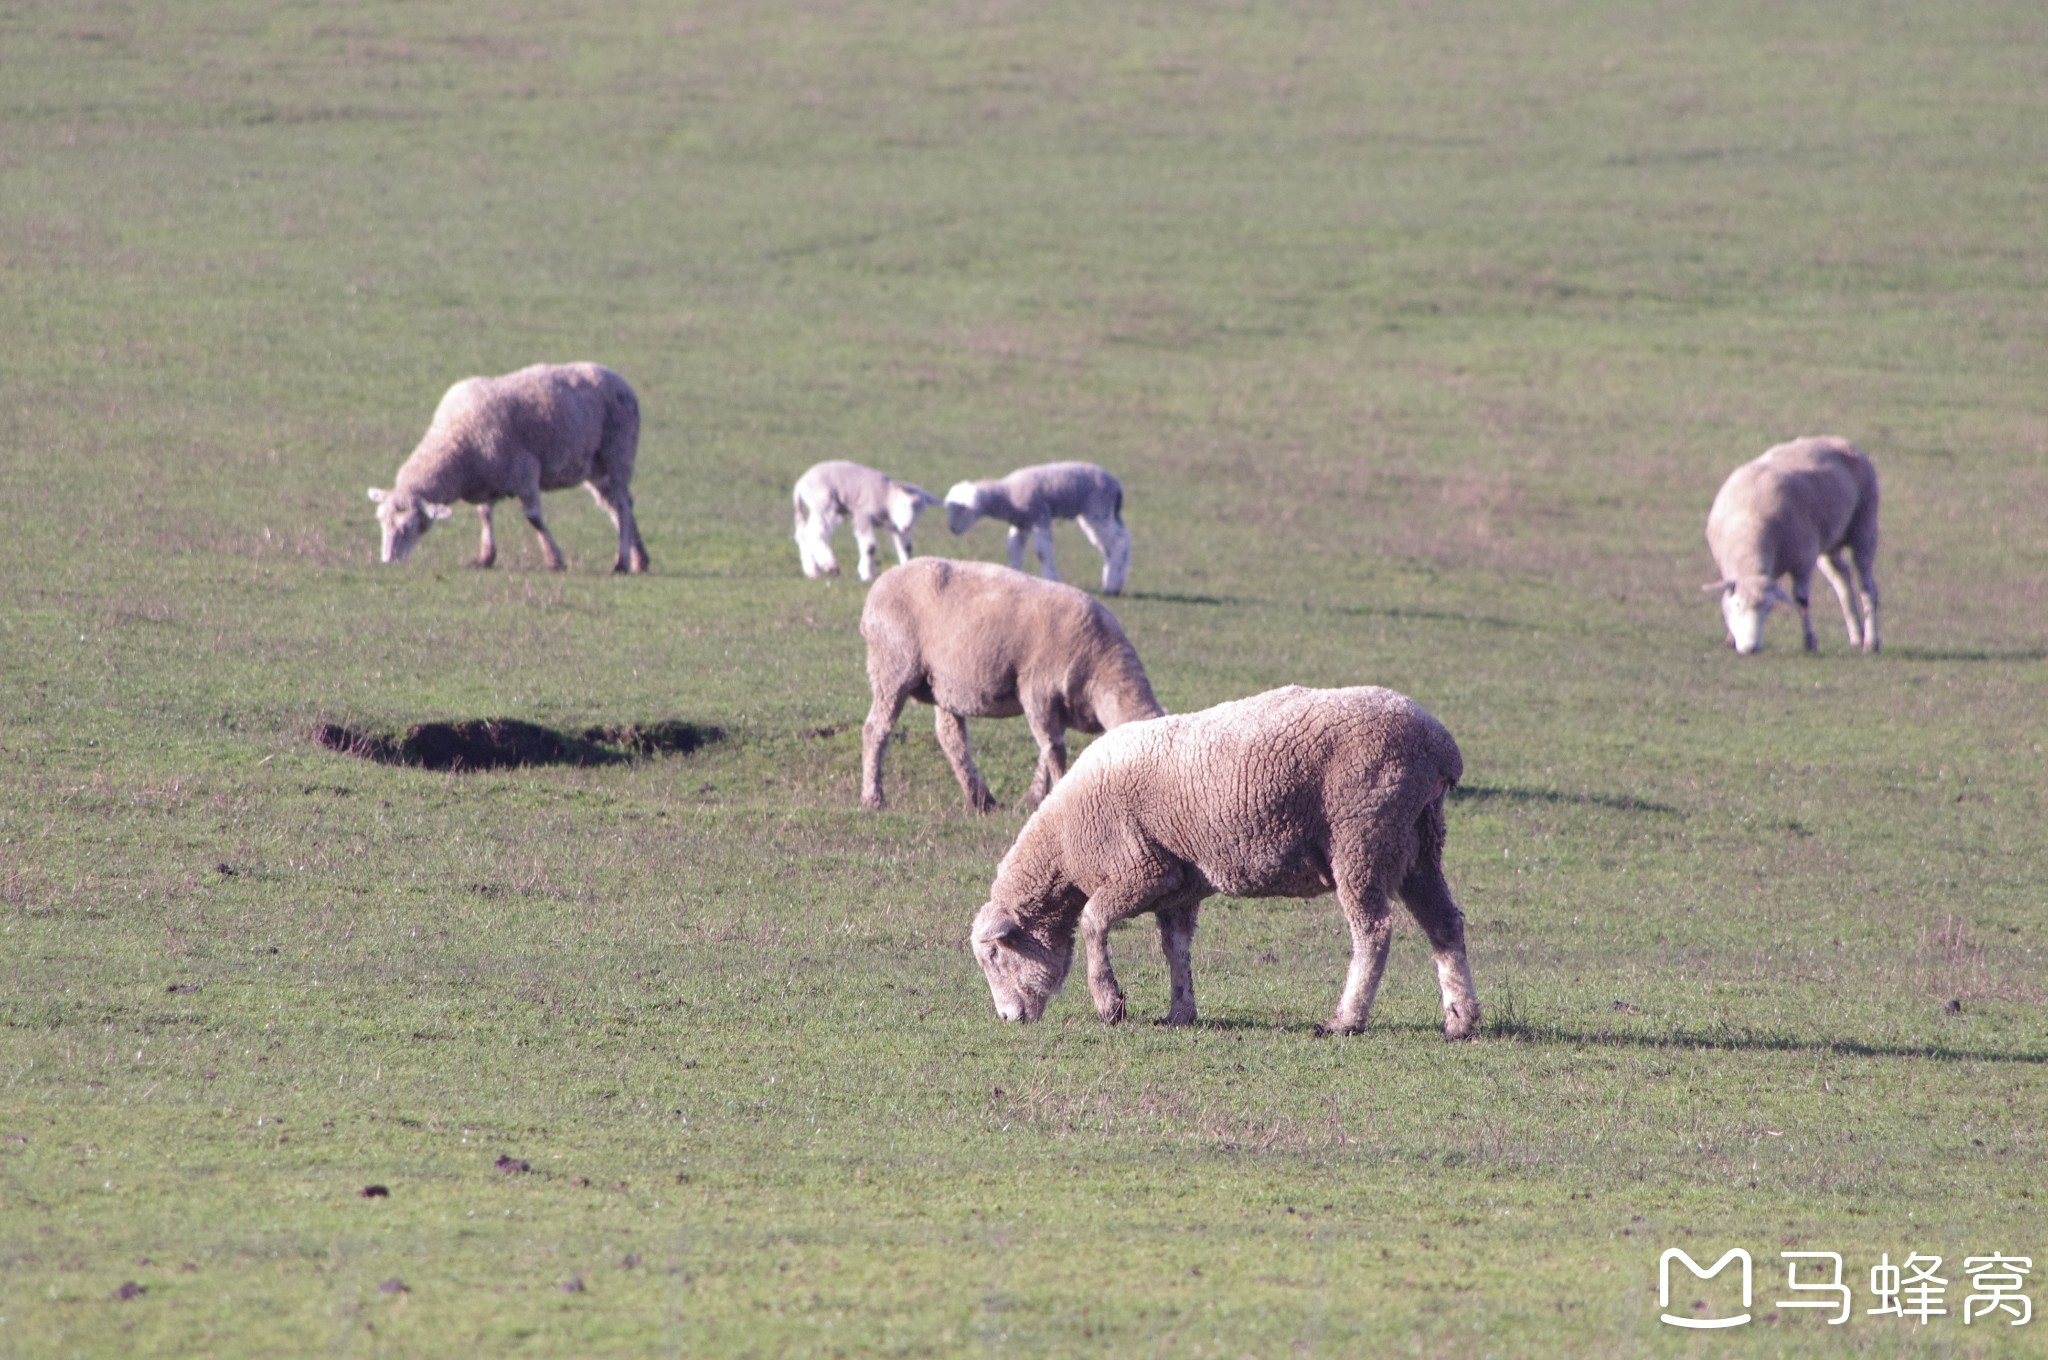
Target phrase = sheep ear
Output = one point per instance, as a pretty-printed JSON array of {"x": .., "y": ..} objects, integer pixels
[
  {"x": 436, "y": 510},
  {"x": 1723, "y": 584},
  {"x": 1013, "y": 934},
  {"x": 379, "y": 494}
]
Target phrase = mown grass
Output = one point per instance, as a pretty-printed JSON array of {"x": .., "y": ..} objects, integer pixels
[{"x": 1420, "y": 338}]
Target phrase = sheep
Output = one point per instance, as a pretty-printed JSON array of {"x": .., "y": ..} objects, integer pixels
[
  {"x": 540, "y": 429},
  {"x": 838, "y": 490},
  {"x": 1285, "y": 794},
  {"x": 1031, "y": 498},
  {"x": 1797, "y": 506},
  {"x": 976, "y": 640}
]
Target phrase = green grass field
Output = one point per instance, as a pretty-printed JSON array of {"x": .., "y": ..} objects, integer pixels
[{"x": 1421, "y": 337}]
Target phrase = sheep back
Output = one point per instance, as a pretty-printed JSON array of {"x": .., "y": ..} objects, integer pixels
[{"x": 565, "y": 417}]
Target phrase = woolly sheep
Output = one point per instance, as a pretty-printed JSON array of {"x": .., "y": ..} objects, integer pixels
[
  {"x": 1031, "y": 498},
  {"x": 976, "y": 640},
  {"x": 873, "y": 500},
  {"x": 1798, "y": 506},
  {"x": 1286, "y": 794},
  {"x": 540, "y": 429}
]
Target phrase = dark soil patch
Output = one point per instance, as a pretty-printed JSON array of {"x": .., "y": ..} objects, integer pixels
[{"x": 504, "y": 743}]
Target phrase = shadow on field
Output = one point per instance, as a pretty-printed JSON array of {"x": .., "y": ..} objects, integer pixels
[
  {"x": 507, "y": 743},
  {"x": 1173, "y": 597},
  {"x": 1967, "y": 654},
  {"x": 1398, "y": 612},
  {"x": 1750, "y": 1042},
  {"x": 1479, "y": 795}
]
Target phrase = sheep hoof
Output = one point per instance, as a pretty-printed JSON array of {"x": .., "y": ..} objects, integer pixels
[
  {"x": 1175, "y": 1020},
  {"x": 871, "y": 801},
  {"x": 1111, "y": 1011},
  {"x": 481, "y": 563},
  {"x": 1337, "y": 1029}
]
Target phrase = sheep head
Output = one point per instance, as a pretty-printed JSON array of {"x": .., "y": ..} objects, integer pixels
[
  {"x": 1024, "y": 968},
  {"x": 403, "y": 519},
  {"x": 906, "y": 502},
  {"x": 963, "y": 507},
  {"x": 1745, "y": 603}
]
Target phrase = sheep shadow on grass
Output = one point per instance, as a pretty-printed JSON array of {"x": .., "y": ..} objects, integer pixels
[{"x": 508, "y": 743}]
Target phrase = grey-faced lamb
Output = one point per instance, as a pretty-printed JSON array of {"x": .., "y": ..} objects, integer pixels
[
  {"x": 1031, "y": 498},
  {"x": 540, "y": 429},
  {"x": 1290, "y": 793},
  {"x": 976, "y": 640},
  {"x": 836, "y": 490},
  {"x": 1798, "y": 506}
]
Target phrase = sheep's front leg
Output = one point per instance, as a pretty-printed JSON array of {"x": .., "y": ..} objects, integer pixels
[
  {"x": 953, "y": 741},
  {"x": 487, "y": 550},
  {"x": 1041, "y": 543},
  {"x": 1802, "y": 595},
  {"x": 1096, "y": 919},
  {"x": 1176, "y": 941},
  {"x": 1372, "y": 930},
  {"x": 864, "y": 539},
  {"x": 901, "y": 538},
  {"x": 1845, "y": 594},
  {"x": 1015, "y": 544},
  {"x": 529, "y": 501}
]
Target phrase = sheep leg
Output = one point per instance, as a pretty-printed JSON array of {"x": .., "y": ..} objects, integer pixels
[
  {"x": 487, "y": 550},
  {"x": 529, "y": 501},
  {"x": 864, "y": 538},
  {"x": 953, "y": 741},
  {"x": 1428, "y": 899},
  {"x": 1113, "y": 541},
  {"x": 874, "y": 736},
  {"x": 1863, "y": 574},
  {"x": 1016, "y": 546},
  {"x": 618, "y": 504},
  {"x": 814, "y": 541},
  {"x": 1097, "y": 917},
  {"x": 1830, "y": 565},
  {"x": 1051, "y": 734},
  {"x": 1041, "y": 543},
  {"x": 1372, "y": 930},
  {"x": 1802, "y": 595},
  {"x": 1176, "y": 941},
  {"x": 902, "y": 540}
]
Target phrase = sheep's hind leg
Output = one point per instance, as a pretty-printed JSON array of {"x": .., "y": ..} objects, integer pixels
[
  {"x": 487, "y": 549},
  {"x": 874, "y": 737},
  {"x": 1428, "y": 898},
  {"x": 1372, "y": 930},
  {"x": 953, "y": 741},
  {"x": 618, "y": 504},
  {"x": 1830, "y": 565}
]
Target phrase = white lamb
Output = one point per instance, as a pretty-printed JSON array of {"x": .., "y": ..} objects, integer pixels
[
  {"x": 540, "y": 429},
  {"x": 1798, "y": 506},
  {"x": 873, "y": 500},
  {"x": 1286, "y": 794},
  {"x": 1031, "y": 498},
  {"x": 976, "y": 640}
]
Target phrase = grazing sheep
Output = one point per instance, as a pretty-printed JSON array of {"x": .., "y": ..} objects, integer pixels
[
  {"x": 1286, "y": 794},
  {"x": 873, "y": 500},
  {"x": 540, "y": 429},
  {"x": 976, "y": 640},
  {"x": 1031, "y": 498},
  {"x": 1797, "y": 506}
]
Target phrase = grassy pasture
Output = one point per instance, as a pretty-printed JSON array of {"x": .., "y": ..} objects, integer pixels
[{"x": 1421, "y": 337}]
